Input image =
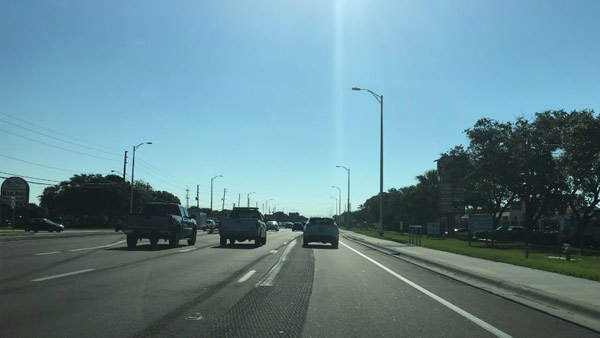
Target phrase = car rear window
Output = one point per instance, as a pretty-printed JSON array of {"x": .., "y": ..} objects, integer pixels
[
  {"x": 244, "y": 214},
  {"x": 324, "y": 221}
]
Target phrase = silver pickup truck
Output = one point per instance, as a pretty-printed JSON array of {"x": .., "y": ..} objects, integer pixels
[
  {"x": 166, "y": 221},
  {"x": 243, "y": 224}
]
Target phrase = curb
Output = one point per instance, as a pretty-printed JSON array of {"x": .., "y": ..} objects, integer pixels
[
  {"x": 523, "y": 292},
  {"x": 20, "y": 237}
]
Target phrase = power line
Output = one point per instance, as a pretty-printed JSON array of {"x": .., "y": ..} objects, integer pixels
[
  {"x": 40, "y": 165},
  {"x": 35, "y": 178},
  {"x": 55, "y": 146},
  {"x": 161, "y": 179},
  {"x": 59, "y": 139},
  {"x": 30, "y": 182},
  {"x": 53, "y": 131},
  {"x": 163, "y": 173}
]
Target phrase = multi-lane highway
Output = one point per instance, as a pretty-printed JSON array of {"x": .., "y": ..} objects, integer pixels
[{"x": 95, "y": 287}]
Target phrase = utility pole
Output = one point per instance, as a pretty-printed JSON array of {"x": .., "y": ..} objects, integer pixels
[
  {"x": 211, "y": 192},
  {"x": 124, "y": 165},
  {"x": 198, "y": 196},
  {"x": 239, "y": 198},
  {"x": 187, "y": 197},
  {"x": 224, "y": 193}
]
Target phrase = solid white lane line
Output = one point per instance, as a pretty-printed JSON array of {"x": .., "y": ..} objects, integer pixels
[
  {"x": 47, "y": 253},
  {"x": 97, "y": 247},
  {"x": 246, "y": 276},
  {"x": 273, "y": 251},
  {"x": 62, "y": 275},
  {"x": 267, "y": 280},
  {"x": 481, "y": 323},
  {"x": 188, "y": 249}
]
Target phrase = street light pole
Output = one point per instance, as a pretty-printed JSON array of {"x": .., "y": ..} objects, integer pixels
[
  {"x": 379, "y": 99},
  {"x": 211, "y": 192},
  {"x": 336, "y": 204},
  {"x": 349, "y": 210},
  {"x": 248, "y": 197},
  {"x": 133, "y": 173},
  {"x": 339, "y": 201},
  {"x": 267, "y": 205}
]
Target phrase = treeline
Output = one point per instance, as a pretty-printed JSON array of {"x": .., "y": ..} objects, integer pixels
[
  {"x": 546, "y": 166},
  {"x": 97, "y": 201}
]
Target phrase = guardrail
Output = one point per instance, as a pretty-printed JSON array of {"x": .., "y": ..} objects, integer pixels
[{"x": 414, "y": 234}]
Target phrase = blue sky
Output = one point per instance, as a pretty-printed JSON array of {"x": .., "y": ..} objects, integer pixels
[{"x": 259, "y": 91}]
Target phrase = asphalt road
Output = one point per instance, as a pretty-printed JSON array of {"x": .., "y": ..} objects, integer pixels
[{"x": 95, "y": 287}]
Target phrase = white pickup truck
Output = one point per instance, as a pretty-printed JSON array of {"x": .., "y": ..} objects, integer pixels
[{"x": 243, "y": 224}]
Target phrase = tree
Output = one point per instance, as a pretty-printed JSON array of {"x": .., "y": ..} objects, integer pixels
[
  {"x": 539, "y": 186},
  {"x": 97, "y": 200},
  {"x": 165, "y": 196},
  {"x": 578, "y": 144},
  {"x": 491, "y": 177}
]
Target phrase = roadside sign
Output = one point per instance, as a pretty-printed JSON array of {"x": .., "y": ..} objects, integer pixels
[
  {"x": 13, "y": 204},
  {"x": 480, "y": 222},
  {"x": 14, "y": 189},
  {"x": 433, "y": 228}
]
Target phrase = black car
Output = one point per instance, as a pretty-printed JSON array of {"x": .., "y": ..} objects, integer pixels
[
  {"x": 298, "y": 226},
  {"x": 44, "y": 224}
]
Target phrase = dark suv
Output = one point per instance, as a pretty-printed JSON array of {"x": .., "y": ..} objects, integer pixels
[{"x": 321, "y": 229}]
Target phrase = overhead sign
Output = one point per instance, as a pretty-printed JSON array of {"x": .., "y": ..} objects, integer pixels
[
  {"x": 433, "y": 228},
  {"x": 14, "y": 190},
  {"x": 480, "y": 222}
]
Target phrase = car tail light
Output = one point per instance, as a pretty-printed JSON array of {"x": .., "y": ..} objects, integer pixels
[{"x": 257, "y": 224}]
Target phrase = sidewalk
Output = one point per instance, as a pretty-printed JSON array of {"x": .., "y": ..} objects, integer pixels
[{"x": 571, "y": 298}]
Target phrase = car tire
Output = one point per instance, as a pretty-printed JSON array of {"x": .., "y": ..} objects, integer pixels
[
  {"x": 257, "y": 242},
  {"x": 263, "y": 240},
  {"x": 36, "y": 230},
  {"x": 304, "y": 243},
  {"x": 131, "y": 241},
  {"x": 223, "y": 241},
  {"x": 153, "y": 242},
  {"x": 232, "y": 241},
  {"x": 26, "y": 229},
  {"x": 335, "y": 244},
  {"x": 174, "y": 240},
  {"x": 192, "y": 240}
]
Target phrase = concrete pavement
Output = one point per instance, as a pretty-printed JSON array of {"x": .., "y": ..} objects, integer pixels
[{"x": 574, "y": 299}]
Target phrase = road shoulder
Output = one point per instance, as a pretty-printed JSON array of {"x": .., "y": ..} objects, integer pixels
[{"x": 573, "y": 299}]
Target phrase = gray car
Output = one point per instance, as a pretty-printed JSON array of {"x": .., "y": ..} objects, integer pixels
[{"x": 321, "y": 229}]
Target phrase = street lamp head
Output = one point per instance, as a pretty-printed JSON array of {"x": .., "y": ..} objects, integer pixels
[
  {"x": 148, "y": 142},
  {"x": 356, "y": 88}
]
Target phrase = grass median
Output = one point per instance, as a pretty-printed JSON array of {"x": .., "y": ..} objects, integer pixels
[{"x": 540, "y": 257}]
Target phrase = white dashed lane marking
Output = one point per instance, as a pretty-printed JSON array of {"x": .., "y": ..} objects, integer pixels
[
  {"x": 246, "y": 276},
  {"x": 62, "y": 275}
]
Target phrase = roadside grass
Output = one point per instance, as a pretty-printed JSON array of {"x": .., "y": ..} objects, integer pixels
[{"x": 587, "y": 266}]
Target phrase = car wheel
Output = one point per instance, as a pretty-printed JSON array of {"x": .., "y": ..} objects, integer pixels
[
  {"x": 335, "y": 244},
  {"x": 264, "y": 240},
  {"x": 192, "y": 241},
  {"x": 223, "y": 241},
  {"x": 50, "y": 230},
  {"x": 131, "y": 241},
  {"x": 26, "y": 229},
  {"x": 304, "y": 243},
  {"x": 36, "y": 230},
  {"x": 153, "y": 242},
  {"x": 174, "y": 241},
  {"x": 257, "y": 242},
  {"x": 231, "y": 241}
]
